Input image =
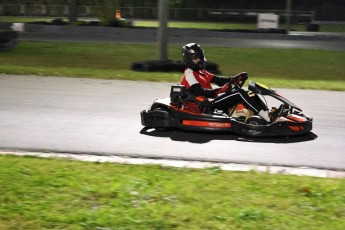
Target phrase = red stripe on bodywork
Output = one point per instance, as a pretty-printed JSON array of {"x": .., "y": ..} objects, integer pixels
[
  {"x": 296, "y": 128},
  {"x": 211, "y": 124}
]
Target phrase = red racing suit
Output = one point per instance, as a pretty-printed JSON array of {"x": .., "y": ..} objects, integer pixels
[{"x": 198, "y": 83}]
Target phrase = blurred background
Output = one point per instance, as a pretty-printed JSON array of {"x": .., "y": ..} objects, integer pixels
[
  {"x": 314, "y": 15},
  {"x": 116, "y": 37}
]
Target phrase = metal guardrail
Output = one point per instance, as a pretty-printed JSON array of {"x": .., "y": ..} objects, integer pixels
[{"x": 148, "y": 12}]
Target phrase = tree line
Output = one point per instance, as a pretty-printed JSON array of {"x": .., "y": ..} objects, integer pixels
[{"x": 231, "y": 4}]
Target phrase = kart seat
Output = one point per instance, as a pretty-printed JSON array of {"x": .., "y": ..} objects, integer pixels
[
  {"x": 198, "y": 104},
  {"x": 200, "y": 100}
]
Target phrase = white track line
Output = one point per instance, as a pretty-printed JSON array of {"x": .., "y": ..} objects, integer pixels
[{"x": 300, "y": 171}]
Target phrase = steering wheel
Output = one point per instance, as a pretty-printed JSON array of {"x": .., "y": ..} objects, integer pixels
[
  {"x": 240, "y": 83},
  {"x": 237, "y": 85}
]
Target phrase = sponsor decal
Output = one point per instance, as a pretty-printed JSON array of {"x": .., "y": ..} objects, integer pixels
[
  {"x": 211, "y": 124},
  {"x": 296, "y": 128}
]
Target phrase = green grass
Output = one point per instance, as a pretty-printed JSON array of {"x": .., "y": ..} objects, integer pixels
[
  {"x": 64, "y": 194},
  {"x": 23, "y": 19},
  {"x": 233, "y": 26},
  {"x": 198, "y": 25},
  {"x": 289, "y": 68},
  {"x": 333, "y": 28}
]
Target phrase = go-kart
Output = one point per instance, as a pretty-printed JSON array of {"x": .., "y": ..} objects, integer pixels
[{"x": 186, "y": 112}]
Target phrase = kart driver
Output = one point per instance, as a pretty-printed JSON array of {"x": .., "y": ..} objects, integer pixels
[{"x": 198, "y": 83}]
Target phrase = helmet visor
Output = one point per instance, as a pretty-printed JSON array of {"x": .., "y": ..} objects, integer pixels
[{"x": 199, "y": 55}]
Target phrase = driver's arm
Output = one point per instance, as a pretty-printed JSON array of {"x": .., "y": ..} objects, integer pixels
[
  {"x": 197, "y": 90},
  {"x": 220, "y": 81}
]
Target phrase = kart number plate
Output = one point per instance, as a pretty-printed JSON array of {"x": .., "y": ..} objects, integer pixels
[{"x": 262, "y": 85}]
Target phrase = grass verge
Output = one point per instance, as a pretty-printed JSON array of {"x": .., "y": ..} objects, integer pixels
[
  {"x": 296, "y": 68},
  {"x": 63, "y": 194},
  {"x": 233, "y": 26}
]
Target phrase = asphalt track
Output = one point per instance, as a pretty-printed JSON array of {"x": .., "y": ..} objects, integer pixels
[
  {"x": 54, "y": 114},
  {"x": 179, "y": 37},
  {"x": 102, "y": 117}
]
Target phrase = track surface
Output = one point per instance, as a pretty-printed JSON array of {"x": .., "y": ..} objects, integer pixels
[
  {"x": 179, "y": 37},
  {"x": 102, "y": 117},
  {"x": 99, "y": 116}
]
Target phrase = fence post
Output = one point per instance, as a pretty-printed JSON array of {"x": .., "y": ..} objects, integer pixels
[
  {"x": 73, "y": 11},
  {"x": 131, "y": 12},
  {"x": 288, "y": 14},
  {"x": 66, "y": 11},
  {"x": 22, "y": 10},
  {"x": 176, "y": 13},
  {"x": 199, "y": 13},
  {"x": 88, "y": 10},
  {"x": 44, "y": 10},
  {"x": 312, "y": 16},
  {"x": 162, "y": 30}
]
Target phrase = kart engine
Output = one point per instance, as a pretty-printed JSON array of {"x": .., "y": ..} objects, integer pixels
[{"x": 178, "y": 94}]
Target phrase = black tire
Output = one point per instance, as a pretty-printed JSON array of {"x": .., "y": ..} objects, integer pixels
[
  {"x": 8, "y": 40},
  {"x": 256, "y": 120}
]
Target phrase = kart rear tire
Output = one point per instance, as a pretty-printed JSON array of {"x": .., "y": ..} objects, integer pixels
[{"x": 256, "y": 120}]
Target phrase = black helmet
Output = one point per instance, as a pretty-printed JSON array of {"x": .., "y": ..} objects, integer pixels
[{"x": 193, "y": 51}]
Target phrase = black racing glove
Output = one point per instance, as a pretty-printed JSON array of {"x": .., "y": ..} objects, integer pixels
[{"x": 243, "y": 76}]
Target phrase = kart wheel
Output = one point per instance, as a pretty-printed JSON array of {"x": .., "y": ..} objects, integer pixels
[{"x": 256, "y": 120}]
